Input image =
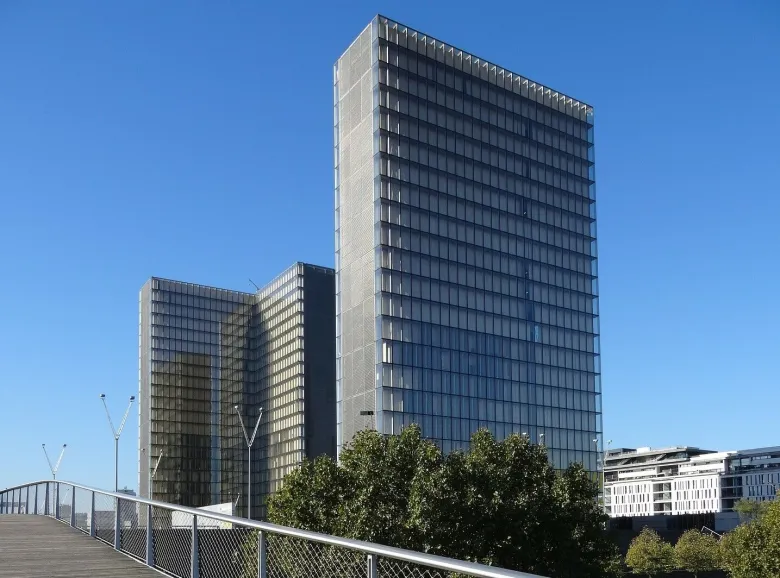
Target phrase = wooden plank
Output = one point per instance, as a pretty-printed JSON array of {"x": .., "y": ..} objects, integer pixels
[{"x": 37, "y": 546}]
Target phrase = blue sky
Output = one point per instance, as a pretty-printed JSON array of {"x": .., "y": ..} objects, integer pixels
[{"x": 193, "y": 140}]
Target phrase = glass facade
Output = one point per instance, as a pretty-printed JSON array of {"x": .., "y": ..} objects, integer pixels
[
  {"x": 205, "y": 350},
  {"x": 466, "y": 252}
]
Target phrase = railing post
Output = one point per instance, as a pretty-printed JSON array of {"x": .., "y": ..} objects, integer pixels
[
  {"x": 261, "y": 555},
  {"x": 117, "y": 525},
  {"x": 27, "y": 501},
  {"x": 149, "y": 537},
  {"x": 195, "y": 555},
  {"x": 46, "y": 501},
  {"x": 371, "y": 563},
  {"x": 56, "y": 500},
  {"x": 92, "y": 528},
  {"x": 73, "y": 508}
]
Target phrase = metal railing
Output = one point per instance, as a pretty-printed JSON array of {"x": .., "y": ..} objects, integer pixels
[{"x": 193, "y": 543}]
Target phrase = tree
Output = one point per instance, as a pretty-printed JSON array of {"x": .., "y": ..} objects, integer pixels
[
  {"x": 696, "y": 552},
  {"x": 499, "y": 503},
  {"x": 310, "y": 495},
  {"x": 752, "y": 549},
  {"x": 649, "y": 554},
  {"x": 749, "y": 510}
]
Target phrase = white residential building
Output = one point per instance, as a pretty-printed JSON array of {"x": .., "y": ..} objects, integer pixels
[{"x": 687, "y": 480}]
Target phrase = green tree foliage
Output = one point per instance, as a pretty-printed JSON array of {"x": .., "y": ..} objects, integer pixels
[
  {"x": 752, "y": 550},
  {"x": 749, "y": 510},
  {"x": 500, "y": 503},
  {"x": 649, "y": 554},
  {"x": 696, "y": 552}
]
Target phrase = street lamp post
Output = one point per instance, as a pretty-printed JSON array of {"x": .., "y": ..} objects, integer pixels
[
  {"x": 249, "y": 442},
  {"x": 55, "y": 467},
  {"x": 153, "y": 471},
  {"x": 117, "y": 433},
  {"x": 603, "y": 472}
]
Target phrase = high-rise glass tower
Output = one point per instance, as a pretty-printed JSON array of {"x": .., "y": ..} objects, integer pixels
[
  {"x": 205, "y": 350},
  {"x": 466, "y": 280}
]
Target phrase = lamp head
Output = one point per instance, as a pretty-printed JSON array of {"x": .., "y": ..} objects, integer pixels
[
  {"x": 235, "y": 407},
  {"x": 64, "y": 445},
  {"x": 132, "y": 398},
  {"x": 102, "y": 396},
  {"x": 43, "y": 445}
]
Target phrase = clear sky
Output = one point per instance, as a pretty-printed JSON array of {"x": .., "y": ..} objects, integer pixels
[{"x": 193, "y": 140}]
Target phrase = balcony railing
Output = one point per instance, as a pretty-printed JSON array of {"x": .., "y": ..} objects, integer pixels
[{"x": 191, "y": 543}]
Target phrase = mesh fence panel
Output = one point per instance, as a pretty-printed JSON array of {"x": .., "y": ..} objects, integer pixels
[
  {"x": 65, "y": 498},
  {"x": 132, "y": 536},
  {"x": 172, "y": 541},
  {"x": 298, "y": 558},
  {"x": 83, "y": 508},
  {"x": 391, "y": 568},
  {"x": 30, "y": 500},
  {"x": 226, "y": 552},
  {"x": 105, "y": 517},
  {"x": 52, "y": 494},
  {"x": 41, "y": 499}
]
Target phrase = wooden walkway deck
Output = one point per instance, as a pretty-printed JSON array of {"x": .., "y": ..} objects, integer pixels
[{"x": 37, "y": 546}]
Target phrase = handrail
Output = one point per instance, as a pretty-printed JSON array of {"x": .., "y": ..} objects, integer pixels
[{"x": 431, "y": 560}]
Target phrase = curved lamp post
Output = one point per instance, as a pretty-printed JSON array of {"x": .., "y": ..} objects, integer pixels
[
  {"x": 249, "y": 442},
  {"x": 55, "y": 467},
  {"x": 117, "y": 433}
]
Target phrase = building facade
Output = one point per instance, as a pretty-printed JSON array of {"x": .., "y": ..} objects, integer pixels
[
  {"x": 466, "y": 271},
  {"x": 687, "y": 480},
  {"x": 204, "y": 351}
]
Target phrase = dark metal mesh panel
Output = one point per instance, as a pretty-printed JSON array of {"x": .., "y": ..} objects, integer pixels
[
  {"x": 172, "y": 541},
  {"x": 105, "y": 517},
  {"x": 132, "y": 536}
]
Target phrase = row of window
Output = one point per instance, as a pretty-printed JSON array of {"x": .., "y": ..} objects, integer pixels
[
  {"x": 210, "y": 293},
  {"x": 529, "y": 195},
  {"x": 485, "y": 290},
  {"x": 239, "y": 319},
  {"x": 516, "y": 232},
  {"x": 473, "y": 171},
  {"x": 456, "y": 407},
  {"x": 696, "y": 483},
  {"x": 540, "y": 353},
  {"x": 420, "y": 76},
  {"x": 450, "y": 278},
  {"x": 482, "y": 247},
  {"x": 696, "y": 494},
  {"x": 472, "y": 120},
  {"x": 495, "y": 208},
  {"x": 521, "y": 333},
  {"x": 407, "y": 376},
  {"x": 478, "y": 305},
  {"x": 524, "y": 299},
  {"x": 512, "y": 395},
  {"x": 493, "y": 289},
  {"x": 225, "y": 306},
  {"x": 434, "y": 59},
  {"x": 426, "y": 357}
]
